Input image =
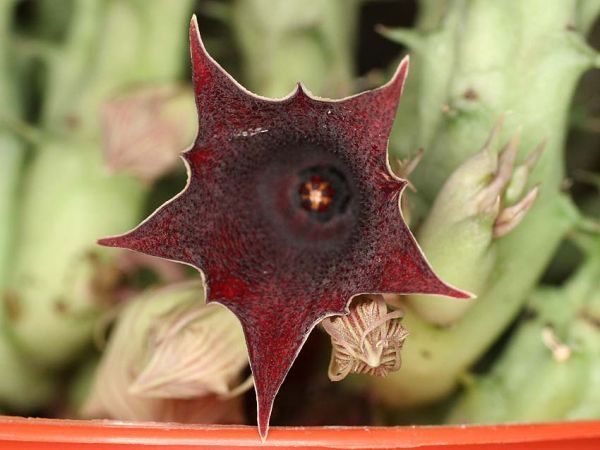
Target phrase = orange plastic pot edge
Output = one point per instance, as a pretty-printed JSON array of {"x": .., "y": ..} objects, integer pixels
[{"x": 17, "y": 433}]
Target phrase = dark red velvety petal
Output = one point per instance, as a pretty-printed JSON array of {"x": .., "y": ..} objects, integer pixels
[{"x": 280, "y": 262}]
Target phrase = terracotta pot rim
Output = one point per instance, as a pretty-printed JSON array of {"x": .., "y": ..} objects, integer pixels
[{"x": 30, "y": 433}]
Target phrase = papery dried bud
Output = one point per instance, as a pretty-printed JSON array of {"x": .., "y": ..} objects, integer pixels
[
  {"x": 194, "y": 351},
  {"x": 144, "y": 131},
  {"x": 168, "y": 320},
  {"x": 368, "y": 340}
]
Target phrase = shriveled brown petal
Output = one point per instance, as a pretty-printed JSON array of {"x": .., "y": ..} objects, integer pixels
[{"x": 368, "y": 340}]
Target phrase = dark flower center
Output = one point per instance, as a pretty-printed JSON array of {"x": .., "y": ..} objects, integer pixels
[
  {"x": 323, "y": 192},
  {"x": 300, "y": 201}
]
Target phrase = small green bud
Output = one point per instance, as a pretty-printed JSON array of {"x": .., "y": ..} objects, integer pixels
[{"x": 469, "y": 213}]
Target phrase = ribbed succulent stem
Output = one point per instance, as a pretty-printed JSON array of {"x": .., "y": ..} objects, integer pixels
[
  {"x": 479, "y": 60},
  {"x": 549, "y": 368},
  {"x": 435, "y": 357}
]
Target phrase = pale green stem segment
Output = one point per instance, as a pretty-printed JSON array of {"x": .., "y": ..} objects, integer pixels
[
  {"x": 22, "y": 387},
  {"x": 472, "y": 61},
  {"x": 11, "y": 148},
  {"x": 434, "y": 358},
  {"x": 61, "y": 279},
  {"x": 549, "y": 370},
  {"x": 287, "y": 41}
]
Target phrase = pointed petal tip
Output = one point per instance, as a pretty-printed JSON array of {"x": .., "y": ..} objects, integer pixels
[
  {"x": 402, "y": 70},
  {"x": 394, "y": 87},
  {"x": 110, "y": 241},
  {"x": 194, "y": 27},
  {"x": 301, "y": 91},
  {"x": 263, "y": 430},
  {"x": 452, "y": 292},
  {"x": 264, "y": 407},
  {"x": 200, "y": 56},
  {"x": 273, "y": 352},
  {"x": 468, "y": 295},
  {"x": 441, "y": 288},
  {"x": 119, "y": 241},
  {"x": 194, "y": 34}
]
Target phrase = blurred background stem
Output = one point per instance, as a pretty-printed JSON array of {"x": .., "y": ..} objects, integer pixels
[
  {"x": 283, "y": 42},
  {"x": 11, "y": 147},
  {"x": 22, "y": 387},
  {"x": 61, "y": 280}
]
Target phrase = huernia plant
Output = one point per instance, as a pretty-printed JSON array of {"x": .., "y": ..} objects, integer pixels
[
  {"x": 293, "y": 214},
  {"x": 290, "y": 210}
]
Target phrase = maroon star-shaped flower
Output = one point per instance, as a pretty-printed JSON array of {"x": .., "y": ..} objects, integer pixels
[{"x": 290, "y": 210}]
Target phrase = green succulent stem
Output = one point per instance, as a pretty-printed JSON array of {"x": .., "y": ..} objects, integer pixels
[
  {"x": 479, "y": 60},
  {"x": 22, "y": 387},
  {"x": 61, "y": 280},
  {"x": 433, "y": 357},
  {"x": 11, "y": 148},
  {"x": 549, "y": 370},
  {"x": 284, "y": 42}
]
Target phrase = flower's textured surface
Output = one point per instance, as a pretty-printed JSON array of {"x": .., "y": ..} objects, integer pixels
[{"x": 280, "y": 262}]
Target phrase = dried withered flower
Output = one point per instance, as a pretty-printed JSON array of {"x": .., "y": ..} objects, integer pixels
[
  {"x": 289, "y": 211},
  {"x": 367, "y": 340},
  {"x": 171, "y": 358},
  {"x": 145, "y": 129},
  {"x": 194, "y": 351}
]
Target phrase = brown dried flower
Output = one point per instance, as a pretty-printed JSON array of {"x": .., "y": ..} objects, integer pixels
[
  {"x": 144, "y": 130},
  {"x": 368, "y": 340}
]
